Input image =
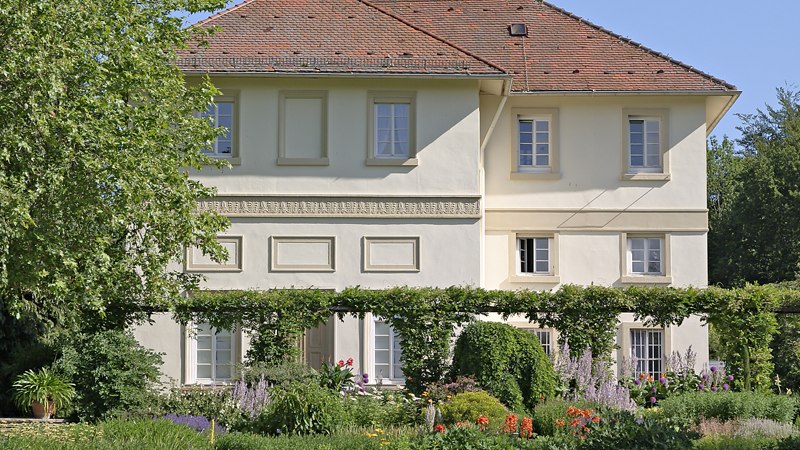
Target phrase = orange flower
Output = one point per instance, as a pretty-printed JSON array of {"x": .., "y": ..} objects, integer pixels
[
  {"x": 596, "y": 419},
  {"x": 483, "y": 421},
  {"x": 560, "y": 422},
  {"x": 526, "y": 430},
  {"x": 575, "y": 422},
  {"x": 510, "y": 425},
  {"x": 572, "y": 411},
  {"x": 439, "y": 428}
]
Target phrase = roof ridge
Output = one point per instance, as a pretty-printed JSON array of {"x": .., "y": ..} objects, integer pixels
[
  {"x": 438, "y": 38},
  {"x": 639, "y": 45},
  {"x": 219, "y": 14}
]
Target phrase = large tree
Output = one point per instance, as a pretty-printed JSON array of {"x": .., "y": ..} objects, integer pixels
[
  {"x": 99, "y": 130},
  {"x": 754, "y": 198}
]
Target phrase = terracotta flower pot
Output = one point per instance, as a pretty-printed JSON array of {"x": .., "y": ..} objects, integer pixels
[{"x": 43, "y": 411}]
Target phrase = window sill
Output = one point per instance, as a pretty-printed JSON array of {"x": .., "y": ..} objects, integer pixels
[
  {"x": 232, "y": 161},
  {"x": 540, "y": 279},
  {"x": 303, "y": 161},
  {"x": 645, "y": 176},
  {"x": 535, "y": 175},
  {"x": 646, "y": 279},
  {"x": 392, "y": 162}
]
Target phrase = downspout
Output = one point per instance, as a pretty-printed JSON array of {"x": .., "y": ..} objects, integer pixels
[{"x": 482, "y": 177}]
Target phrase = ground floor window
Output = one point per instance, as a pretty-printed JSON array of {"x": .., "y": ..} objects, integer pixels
[
  {"x": 545, "y": 339},
  {"x": 213, "y": 354},
  {"x": 647, "y": 349},
  {"x": 387, "y": 350}
]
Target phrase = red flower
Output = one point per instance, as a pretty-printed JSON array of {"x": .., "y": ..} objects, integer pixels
[
  {"x": 340, "y": 363},
  {"x": 349, "y": 361},
  {"x": 483, "y": 421},
  {"x": 439, "y": 428},
  {"x": 510, "y": 425}
]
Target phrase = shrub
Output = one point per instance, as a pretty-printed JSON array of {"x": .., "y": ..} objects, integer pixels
[
  {"x": 690, "y": 407},
  {"x": 468, "y": 406},
  {"x": 209, "y": 402},
  {"x": 243, "y": 441},
  {"x": 384, "y": 409},
  {"x": 506, "y": 361},
  {"x": 279, "y": 374},
  {"x": 303, "y": 409},
  {"x": 622, "y": 430},
  {"x": 43, "y": 387},
  {"x": 723, "y": 442},
  {"x": 112, "y": 374}
]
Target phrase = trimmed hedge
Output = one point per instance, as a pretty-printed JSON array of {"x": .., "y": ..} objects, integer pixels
[
  {"x": 506, "y": 361},
  {"x": 690, "y": 407},
  {"x": 468, "y": 406}
]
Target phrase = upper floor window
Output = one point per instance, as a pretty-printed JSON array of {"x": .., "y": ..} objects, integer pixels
[
  {"x": 534, "y": 143},
  {"x": 223, "y": 113},
  {"x": 534, "y": 255},
  {"x": 645, "y": 144},
  {"x": 645, "y": 256},
  {"x": 213, "y": 351},
  {"x": 535, "y": 152},
  {"x": 392, "y": 129}
]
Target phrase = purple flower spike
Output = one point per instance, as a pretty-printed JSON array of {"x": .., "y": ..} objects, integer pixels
[
  {"x": 637, "y": 382},
  {"x": 653, "y": 400},
  {"x": 714, "y": 369},
  {"x": 725, "y": 387},
  {"x": 704, "y": 377},
  {"x": 730, "y": 377}
]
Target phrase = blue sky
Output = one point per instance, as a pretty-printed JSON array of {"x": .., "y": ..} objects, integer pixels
[{"x": 750, "y": 44}]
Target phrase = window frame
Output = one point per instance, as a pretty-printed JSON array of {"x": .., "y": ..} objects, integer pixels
[
  {"x": 515, "y": 272},
  {"x": 552, "y": 170},
  {"x": 229, "y": 96},
  {"x": 646, "y": 344},
  {"x": 630, "y": 277},
  {"x": 645, "y": 173},
  {"x": 373, "y": 373},
  {"x": 393, "y": 97},
  {"x": 283, "y": 160},
  {"x": 190, "y": 374}
]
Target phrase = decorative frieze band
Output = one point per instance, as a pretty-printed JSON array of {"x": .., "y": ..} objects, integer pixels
[{"x": 341, "y": 206}]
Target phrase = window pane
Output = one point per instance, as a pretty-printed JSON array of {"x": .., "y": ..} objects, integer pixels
[
  {"x": 653, "y": 160},
  {"x": 223, "y": 372},
  {"x": 204, "y": 371},
  {"x": 652, "y": 138},
  {"x": 637, "y": 267},
  {"x": 225, "y": 108},
  {"x": 636, "y": 126},
  {"x": 384, "y": 148},
  {"x": 384, "y": 123},
  {"x": 224, "y": 357},
  {"x": 654, "y": 244},
  {"x": 381, "y": 329},
  {"x": 401, "y": 149},
  {"x": 637, "y": 150},
  {"x": 542, "y": 160},
  {"x": 637, "y": 138},
  {"x": 542, "y": 149},
  {"x": 381, "y": 343},
  {"x": 526, "y": 138},
  {"x": 637, "y": 161},
  {"x": 525, "y": 126},
  {"x": 637, "y": 244},
  {"x": 542, "y": 125},
  {"x": 542, "y": 137},
  {"x": 204, "y": 356},
  {"x": 223, "y": 342},
  {"x": 401, "y": 109},
  {"x": 383, "y": 109},
  {"x": 653, "y": 126},
  {"x": 203, "y": 343},
  {"x": 381, "y": 356},
  {"x": 525, "y": 160},
  {"x": 401, "y": 122},
  {"x": 654, "y": 267},
  {"x": 401, "y": 135},
  {"x": 382, "y": 370},
  {"x": 525, "y": 149},
  {"x": 542, "y": 266},
  {"x": 225, "y": 121}
]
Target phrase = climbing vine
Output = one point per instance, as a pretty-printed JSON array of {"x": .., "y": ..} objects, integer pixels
[{"x": 425, "y": 318}]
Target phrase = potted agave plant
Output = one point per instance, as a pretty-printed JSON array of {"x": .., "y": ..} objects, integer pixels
[{"x": 42, "y": 390}]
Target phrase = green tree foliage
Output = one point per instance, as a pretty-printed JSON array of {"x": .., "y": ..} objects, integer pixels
[
  {"x": 99, "y": 128},
  {"x": 754, "y": 198}
]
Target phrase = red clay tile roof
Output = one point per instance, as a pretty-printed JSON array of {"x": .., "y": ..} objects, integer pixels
[
  {"x": 325, "y": 36},
  {"x": 562, "y": 52}
]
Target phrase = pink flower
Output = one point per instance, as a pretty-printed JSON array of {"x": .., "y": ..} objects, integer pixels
[
  {"x": 349, "y": 361},
  {"x": 653, "y": 400},
  {"x": 340, "y": 363}
]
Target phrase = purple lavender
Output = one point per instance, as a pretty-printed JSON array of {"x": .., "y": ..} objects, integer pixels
[{"x": 252, "y": 400}]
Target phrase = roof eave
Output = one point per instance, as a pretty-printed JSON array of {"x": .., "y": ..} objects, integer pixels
[
  {"x": 498, "y": 76},
  {"x": 702, "y": 92}
]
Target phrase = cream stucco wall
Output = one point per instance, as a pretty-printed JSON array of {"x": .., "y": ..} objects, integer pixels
[{"x": 447, "y": 137}]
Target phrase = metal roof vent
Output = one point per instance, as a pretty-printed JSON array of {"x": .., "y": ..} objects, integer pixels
[{"x": 518, "y": 29}]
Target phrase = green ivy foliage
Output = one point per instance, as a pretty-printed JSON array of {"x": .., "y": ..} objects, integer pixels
[{"x": 425, "y": 318}]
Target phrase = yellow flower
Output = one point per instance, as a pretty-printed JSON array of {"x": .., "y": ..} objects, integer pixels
[{"x": 424, "y": 393}]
